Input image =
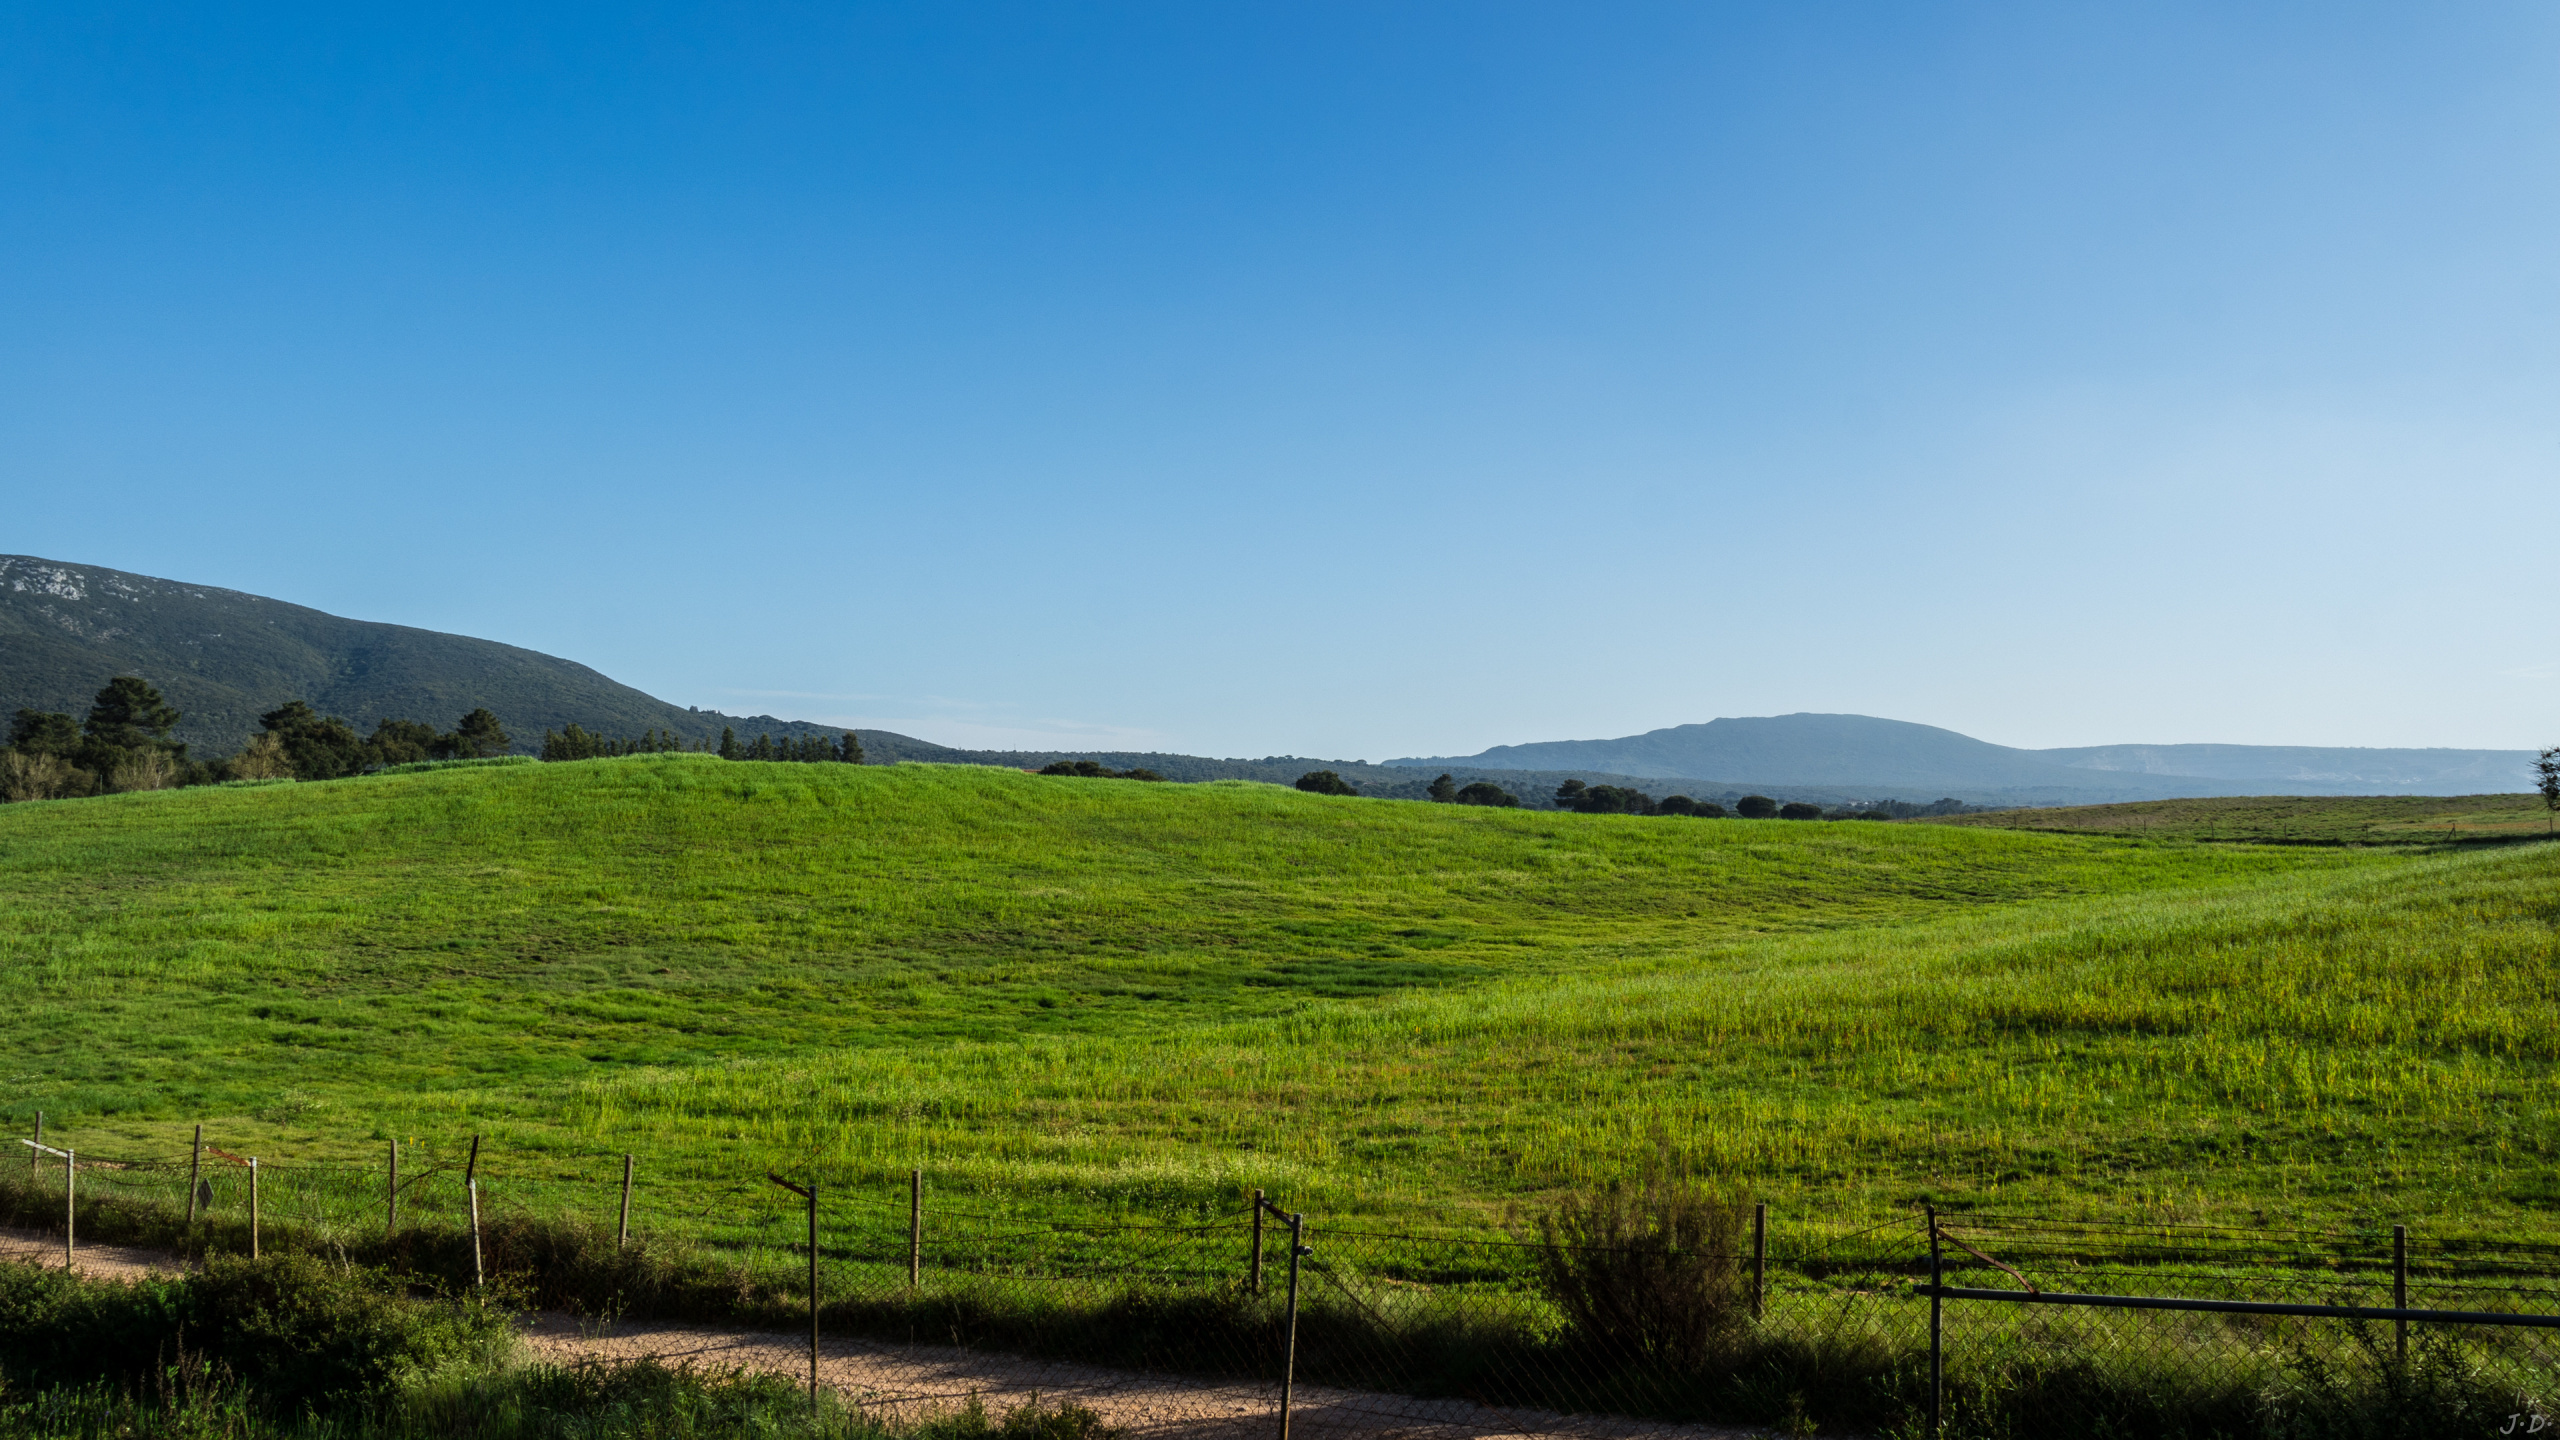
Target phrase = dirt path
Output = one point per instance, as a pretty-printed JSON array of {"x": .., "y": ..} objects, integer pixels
[{"x": 910, "y": 1381}]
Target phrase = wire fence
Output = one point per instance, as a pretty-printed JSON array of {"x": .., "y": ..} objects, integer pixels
[{"x": 1205, "y": 1323}]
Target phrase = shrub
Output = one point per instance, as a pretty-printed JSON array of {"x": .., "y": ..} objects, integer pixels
[
  {"x": 25, "y": 776},
  {"x": 1094, "y": 771},
  {"x": 1611, "y": 800},
  {"x": 1484, "y": 792},
  {"x": 1707, "y": 810},
  {"x": 1649, "y": 1272},
  {"x": 1755, "y": 807},
  {"x": 297, "y": 1331},
  {"x": 1799, "y": 810},
  {"x": 1325, "y": 782}
]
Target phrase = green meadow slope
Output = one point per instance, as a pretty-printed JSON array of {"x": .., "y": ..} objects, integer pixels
[{"x": 1113, "y": 993}]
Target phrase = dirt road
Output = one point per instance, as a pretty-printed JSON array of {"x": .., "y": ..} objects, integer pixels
[{"x": 909, "y": 1381}]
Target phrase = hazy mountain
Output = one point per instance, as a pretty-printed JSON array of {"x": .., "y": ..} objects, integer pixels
[
  {"x": 1859, "y": 751},
  {"x": 224, "y": 658}
]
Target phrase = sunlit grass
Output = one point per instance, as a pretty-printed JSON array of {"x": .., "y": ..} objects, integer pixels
[{"x": 1083, "y": 994}]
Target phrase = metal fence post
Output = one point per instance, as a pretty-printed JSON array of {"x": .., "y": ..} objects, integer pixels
[
  {"x": 813, "y": 1292},
  {"x": 811, "y": 1192},
  {"x": 1289, "y": 1352},
  {"x": 915, "y": 1228},
  {"x": 2400, "y": 1287},
  {"x": 471, "y": 1189},
  {"x": 1759, "y": 1256},
  {"x": 253, "y": 1207},
  {"x": 1937, "y": 1344},
  {"x": 1253, "y": 1275},
  {"x": 195, "y": 1168},
  {"x": 35, "y": 1157},
  {"x": 70, "y": 1203},
  {"x": 622, "y": 1234},
  {"x": 391, "y": 1196}
]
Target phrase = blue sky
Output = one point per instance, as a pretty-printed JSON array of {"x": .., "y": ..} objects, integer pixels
[{"x": 1348, "y": 380}]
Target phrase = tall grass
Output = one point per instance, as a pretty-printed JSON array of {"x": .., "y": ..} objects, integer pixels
[{"x": 1071, "y": 997}]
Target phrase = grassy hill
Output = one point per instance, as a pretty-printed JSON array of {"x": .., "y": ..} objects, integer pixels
[
  {"x": 1119, "y": 993},
  {"x": 2296, "y": 819}
]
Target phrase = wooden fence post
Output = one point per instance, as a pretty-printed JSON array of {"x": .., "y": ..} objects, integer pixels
[
  {"x": 622, "y": 1233},
  {"x": 391, "y": 1196},
  {"x": 915, "y": 1228},
  {"x": 70, "y": 1204},
  {"x": 35, "y": 1157},
  {"x": 253, "y": 1207},
  {"x": 195, "y": 1171}
]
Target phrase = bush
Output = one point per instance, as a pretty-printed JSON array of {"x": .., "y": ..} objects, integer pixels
[
  {"x": 1755, "y": 807},
  {"x": 1094, "y": 771},
  {"x": 1650, "y": 1273},
  {"x": 297, "y": 1331},
  {"x": 1484, "y": 792},
  {"x": 1325, "y": 782},
  {"x": 1799, "y": 810}
]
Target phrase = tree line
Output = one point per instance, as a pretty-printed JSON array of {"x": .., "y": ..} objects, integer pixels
[
  {"x": 577, "y": 743},
  {"x": 125, "y": 743},
  {"x": 1590, "y": 799}
]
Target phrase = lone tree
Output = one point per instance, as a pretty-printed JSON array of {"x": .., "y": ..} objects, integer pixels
[
  {"x": 1444, "y": 789},
  {"x": 476, "y": 736},
  {"x": 1755, "y": 807},
  {"x": 850, "y": 752},
  {"x": 2546, "y": 778},
  {"x": 129, "y": 715},
  {"x": 1325, "y": 782},
  {"x": 1799, "y": 810}
]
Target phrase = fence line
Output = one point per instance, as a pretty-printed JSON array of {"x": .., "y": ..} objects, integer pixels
[{"x": 1379, "y": 1324}]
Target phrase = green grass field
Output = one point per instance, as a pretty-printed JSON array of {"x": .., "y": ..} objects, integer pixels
[
  {"x": 1107, "y": 994},
  {"x": 2296, "y": 819}
]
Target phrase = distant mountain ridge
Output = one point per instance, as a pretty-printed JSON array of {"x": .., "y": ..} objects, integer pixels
[
  {"x": 224, "y": 658},
  {"x": 1854, "y": 751}
]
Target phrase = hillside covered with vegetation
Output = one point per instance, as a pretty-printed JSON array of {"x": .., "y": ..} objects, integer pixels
[{"x": 1121, "y": 993}]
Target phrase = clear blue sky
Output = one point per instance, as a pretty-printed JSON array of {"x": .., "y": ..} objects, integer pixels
[{"x": 1348, "y": 380}]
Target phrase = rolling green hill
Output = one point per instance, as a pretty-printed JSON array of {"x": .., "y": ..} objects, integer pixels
[
  {"x": 224, "y": 658},
  {"x": 1118, "y": 993}
]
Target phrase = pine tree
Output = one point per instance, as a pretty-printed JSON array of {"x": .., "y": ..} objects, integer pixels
[
  {"x": 478, "y": 736},
  {"x": 729, "y": 744},
  {"x": 851, "y": 751},
  {"x": 1445, "y": 789}
]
